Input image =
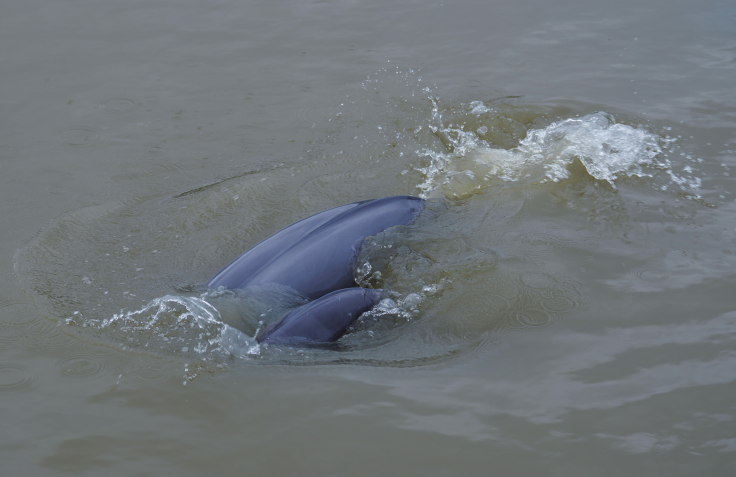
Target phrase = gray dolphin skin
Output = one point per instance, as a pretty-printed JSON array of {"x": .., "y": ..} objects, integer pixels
[
  {"x": 323, "y": 320},
  {"x": 316, "y": 257}
]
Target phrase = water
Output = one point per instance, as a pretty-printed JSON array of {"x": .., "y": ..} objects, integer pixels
[{"x": 564, "y": 305}]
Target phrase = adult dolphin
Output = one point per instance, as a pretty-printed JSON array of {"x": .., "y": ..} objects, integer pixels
[{"x": 315, "y": 257}]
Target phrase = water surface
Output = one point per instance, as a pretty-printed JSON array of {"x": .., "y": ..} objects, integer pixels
[{"x": 564, "y": 306}]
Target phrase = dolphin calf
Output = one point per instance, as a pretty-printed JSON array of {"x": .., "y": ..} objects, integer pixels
[
  {"x": 316, "y": 257},
  {"x": 323, "y": 320}
]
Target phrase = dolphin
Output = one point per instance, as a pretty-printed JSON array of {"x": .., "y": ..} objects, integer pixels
[
  {"x": 316, "y": 257},
  {"x": 322, "y": 321}
]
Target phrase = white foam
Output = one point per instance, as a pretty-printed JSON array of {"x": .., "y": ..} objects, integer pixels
[
  {"x": 478, "y": 108},
  {"x": 609, "y": 151},
  {"x": 189, "y": 321}
]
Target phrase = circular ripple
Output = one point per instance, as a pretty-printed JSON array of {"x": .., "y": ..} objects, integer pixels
[
  {"x": 154, "y": 369},
  {"x": 154, "y": 127},
  {"x": 151, "y": 374},
  {"x": 562, "y": 298},
  {"x": 533, "y": 318},
  {"x": 80, "y": 137},
  {"x": 473, "y": 83},
  {"x": 163, "y": 168},
  {"x": 311, "y": 110},
  {"x": 15, "y": 377},
  {"x": 308, "y": 115},
  {"x": 42, "y": 333},
  {"x": 559, "y": 304},
  {"x": 480, "y": 311},
  {"x": 8, "y": 151},
  {"x": 650, "y": 275},
  {"x": 538, "y": 281},
  {"x": 92, "y": 350},
  {"x": 15, "y": 319},
  {"x": 7, "y": 301},
  {"x": 119, "y": 105},
  {"x": 80, "y": 367}
]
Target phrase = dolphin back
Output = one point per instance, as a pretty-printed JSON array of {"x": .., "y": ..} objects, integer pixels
[{"x": 316, "y": 255}]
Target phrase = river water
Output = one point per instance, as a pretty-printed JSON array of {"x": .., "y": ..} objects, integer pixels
[{"x": 564, "y": 305}]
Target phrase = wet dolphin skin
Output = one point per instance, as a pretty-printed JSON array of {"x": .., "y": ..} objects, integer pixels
[{"x": 316, "y": 257}]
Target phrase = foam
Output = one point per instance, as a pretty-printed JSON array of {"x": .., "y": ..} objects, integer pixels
[{"x": 608, "y": 151}]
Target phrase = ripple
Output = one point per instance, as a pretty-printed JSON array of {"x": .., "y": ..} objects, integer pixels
[
  {"x": 715, "y": 56},
  {"x": 481, "y": 310},
  {"x": 559, "y": 304},
  {"x": 80, "y": 137},
  {"x": 538, "y": 281},
  {"x": 151, "y": 374},
  {"x": 533, "y": 318},
  {"x": 163, "y": 168},
  {"x": 80, "y": 367},
  {"x": 477, "y": 345},
  {"x": 119, "y": 105},
  {"x": 155, "y": 127},
  {"x": 96, "y": 350},
  {"x": 541, "y": 300},
  {"x": 16, "y": 317},
  {"x": 155, "y": 369},
  {"x": 15, "y": 377},
  {"x": 7, "y": 301},
  {"x": 650, "y": 275},
  {"x": 307, "y": 115},
  {"x": 564, "y": 297},
  {"x": 44, "y": 334},
  {"x": 473, "y": 83},
  {"x": 8, "y": 151},
  {"x": 311, "y": 110}
]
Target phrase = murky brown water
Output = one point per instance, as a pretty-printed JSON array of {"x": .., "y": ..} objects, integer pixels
[{"x": 564, "y": 306}]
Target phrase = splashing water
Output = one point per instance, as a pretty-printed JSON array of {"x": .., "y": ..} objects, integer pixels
[
  {"x": 607, "y": 150},
  {"x": 449, "y": 280},
  {"x": 191, "y": 324},
  {"x": 216, "y": 324}
]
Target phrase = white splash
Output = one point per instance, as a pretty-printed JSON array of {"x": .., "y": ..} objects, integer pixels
[
  {"x": 190, "y": 324},
  {"x": 608, "y": 151}
]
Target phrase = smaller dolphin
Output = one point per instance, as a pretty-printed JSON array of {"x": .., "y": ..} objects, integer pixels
[{"x": 322, "y": 321}]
